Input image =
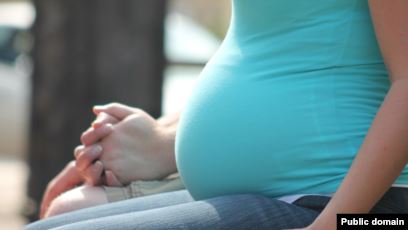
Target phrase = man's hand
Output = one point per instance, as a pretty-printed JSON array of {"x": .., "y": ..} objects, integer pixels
[
  {"x": 137, "y": 148},
  {"x": 67, "y": 179}
]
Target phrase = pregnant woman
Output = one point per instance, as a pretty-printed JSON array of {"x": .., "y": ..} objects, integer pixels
[{"x": 305, "y": 100}]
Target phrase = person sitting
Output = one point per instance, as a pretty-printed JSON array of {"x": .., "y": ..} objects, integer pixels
[
  {"x": 88, "y": 172},
  {"x": 300, "y": 115}
]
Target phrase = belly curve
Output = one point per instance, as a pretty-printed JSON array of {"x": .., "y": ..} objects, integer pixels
[{"x": 238, "y": 135}]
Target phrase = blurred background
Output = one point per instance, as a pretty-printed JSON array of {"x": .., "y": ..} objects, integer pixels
[{"x": 59, "y": 58}]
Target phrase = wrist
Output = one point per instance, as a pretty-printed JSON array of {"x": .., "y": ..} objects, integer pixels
[
  {"x": 167, "y": 152},
  {"x": 326, "y": 220}
]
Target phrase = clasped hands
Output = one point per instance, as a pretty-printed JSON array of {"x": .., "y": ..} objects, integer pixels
[{"x": 122, "y": 145}]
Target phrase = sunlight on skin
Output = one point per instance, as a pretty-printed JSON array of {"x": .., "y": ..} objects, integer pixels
[{"x": 77, "y": 198}]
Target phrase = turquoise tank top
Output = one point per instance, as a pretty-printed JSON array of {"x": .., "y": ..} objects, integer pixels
[{"x": 284, "y": 105}]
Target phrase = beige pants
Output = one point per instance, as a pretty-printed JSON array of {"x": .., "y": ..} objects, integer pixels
[{"x": 143, "y": 188}]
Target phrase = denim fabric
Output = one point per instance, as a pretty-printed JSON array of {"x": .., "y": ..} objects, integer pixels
[{"x": 177, "y": 210}]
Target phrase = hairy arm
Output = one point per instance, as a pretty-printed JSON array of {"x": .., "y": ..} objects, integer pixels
[{"x": 385, "y": 146}]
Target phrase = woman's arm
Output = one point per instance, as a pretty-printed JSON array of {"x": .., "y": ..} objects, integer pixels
[{"x": 384, "y": 152}]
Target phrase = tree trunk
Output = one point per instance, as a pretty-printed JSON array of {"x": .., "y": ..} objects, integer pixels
[{"x": 88, "y": 52}]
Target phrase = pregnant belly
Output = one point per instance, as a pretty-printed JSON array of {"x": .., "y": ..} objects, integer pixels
[{"x": 238, "y": 136}]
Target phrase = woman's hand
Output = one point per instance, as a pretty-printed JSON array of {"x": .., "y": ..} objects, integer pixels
[
  {"x": 135, "y": 148},
  {"x": 92, "y": 170}
]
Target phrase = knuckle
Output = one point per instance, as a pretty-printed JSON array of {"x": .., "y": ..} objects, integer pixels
[
  {"x": 141, "y": 112},
  {"x": 137, "y": 111},
  {"x": 134, "y": 118},
  {"x": 71, "y": 164},
  {"x": 113, "y": 105}
]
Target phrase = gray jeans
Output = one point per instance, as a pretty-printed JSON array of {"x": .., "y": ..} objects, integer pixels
[{"x": 177, "y": 210}]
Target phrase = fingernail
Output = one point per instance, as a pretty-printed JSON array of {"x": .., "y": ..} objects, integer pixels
[
  {"x": 108, "y": 127},
  {"x": 96, "y": 149},
  {"x": 98, "y": 107},
  {"x": 77, "y": 151},
  {"x": 98, "y": 163}
]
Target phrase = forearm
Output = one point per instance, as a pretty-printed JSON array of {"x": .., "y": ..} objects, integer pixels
[{"x": 379, "y": 161}]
